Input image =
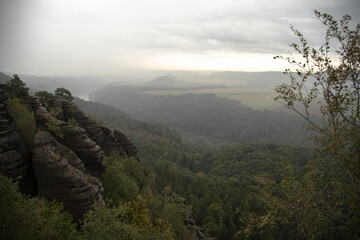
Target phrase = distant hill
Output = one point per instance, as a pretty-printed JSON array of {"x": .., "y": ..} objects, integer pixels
[{"x": 170, "y": 80}]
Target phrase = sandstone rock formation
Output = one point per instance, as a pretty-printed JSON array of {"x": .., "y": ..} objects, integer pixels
[
  {"x": 128, "y": 146},
  {"x": 40, "y": 114},
  {"x": 102, "y": 136},
  {"x": 92, "y": 129},
  {"x": 66, "y": 160},
  {"x": 87, "y": 150},
  {"x": 60, "y": 175},
  {"x": 111, "y": 143},
  {"x": 13, "y": 153},
  {"x": 75, "y": 138},
  {"x": 59, "y": 110}
]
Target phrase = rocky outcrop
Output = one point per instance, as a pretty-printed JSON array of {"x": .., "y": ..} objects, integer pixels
[
  {"x": 87, "y": 150},
  {"x": 59, "y": 110},
  {"x": 75, "y": 138},
  {"x": 91, "y": 127},
  {"x": 40, "y": 114},
  {"x": 60, "y": 175},
  {"x": 102, "y": 136},
  {"x": 190, "y": 223},
  {"x": 128, "y": 146},
  {"x": 111, "y": 143},
  {"x": 14, "y": 156},
  {"x": 66, "y": 161}
]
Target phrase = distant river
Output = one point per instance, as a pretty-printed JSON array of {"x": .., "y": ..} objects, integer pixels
[{"x": 83, "y": 97}]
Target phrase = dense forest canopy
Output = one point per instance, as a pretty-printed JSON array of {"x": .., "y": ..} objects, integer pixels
[{"x": 194, "y": 171}]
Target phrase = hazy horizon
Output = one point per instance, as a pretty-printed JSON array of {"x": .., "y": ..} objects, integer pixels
[{"x": 97, "y": 38}]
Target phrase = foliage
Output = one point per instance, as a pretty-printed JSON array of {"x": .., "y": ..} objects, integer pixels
[
  {"x": 126, "y": 221},
  {"x": 17, "y": 86},
  {"x": 93, "y": 118},
  {"x": 123, "y": 182},
  {"x": 54, "y": 125},
  {"x": 23, "y": 117},
  {"x": 108, "y": 223},
  {"x": 316, "y": 77},
  {"x": 221, "y": 191},
  {"x": 169, "y": 210},
  {"x": 63, "y": 94},
  {"x": 123, "y": 178},
  {"x": 214, "y": 220},
  {"x": 32, "y": 218},
  {"x": 137, "y": 212},
  {"x": 73, "y": 122},
  {"x": 296, "y": 205},
  {"x": 48, "y": 99},
  {"x": 323, "y": 204}
]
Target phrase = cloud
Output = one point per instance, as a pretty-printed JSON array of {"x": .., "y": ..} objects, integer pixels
[{"x": 82, "y": 36}]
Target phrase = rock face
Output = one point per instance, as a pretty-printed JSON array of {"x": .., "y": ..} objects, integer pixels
[
  {"x": 60, "y": 175},
  {"x": 128, "y": 146},
  {"x": 92, "y": 129},
  {"x": 59, "y": 109},
  {"x": 40, "y": 114},
  {"x": 102, "y": 136},
  {"x": 111, "y": 143},
  {"x": 14, "y": 160},
  {"x": 75, "y": 138},
  {"x": 87, "y": 150}
]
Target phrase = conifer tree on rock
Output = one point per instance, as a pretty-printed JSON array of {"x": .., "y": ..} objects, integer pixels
[{"x": 63, "y": 94}]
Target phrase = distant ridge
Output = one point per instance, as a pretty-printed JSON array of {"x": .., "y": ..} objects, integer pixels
[{"x": 170, "y": 80}]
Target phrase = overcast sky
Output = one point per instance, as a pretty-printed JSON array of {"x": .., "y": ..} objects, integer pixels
[{"x": 88, "y": 37}]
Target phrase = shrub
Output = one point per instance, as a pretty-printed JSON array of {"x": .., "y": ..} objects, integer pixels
[{"x": 23, "y": 117}]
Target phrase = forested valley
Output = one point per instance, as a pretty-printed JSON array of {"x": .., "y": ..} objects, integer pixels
[
  {"x": 206, "y": 114},
  {"x": 178, "y": 190},
  {"x": 219, "y": 183}
]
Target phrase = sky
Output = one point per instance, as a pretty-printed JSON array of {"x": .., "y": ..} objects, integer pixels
[{"x": 106, "y": 37}]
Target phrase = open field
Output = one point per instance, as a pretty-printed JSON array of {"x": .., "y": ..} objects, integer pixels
[{"x": 256, "y": 98}]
